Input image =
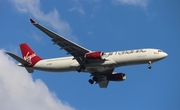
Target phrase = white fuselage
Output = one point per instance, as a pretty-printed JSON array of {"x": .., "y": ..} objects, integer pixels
[{"x": 111, "y": 60}]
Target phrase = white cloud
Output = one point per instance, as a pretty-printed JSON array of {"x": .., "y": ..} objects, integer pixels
[
  {"x": 89, "y": 32},
  {"x": 18, "y": 91},
  {"x": 77, "y": 7},
  {"x": 53, "y": 18},
  {"x": 37, "y": 38},
  {"x": 141, "y": 3}
]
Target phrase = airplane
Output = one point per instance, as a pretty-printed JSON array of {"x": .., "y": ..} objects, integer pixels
[{"x": 99, "y": 64}]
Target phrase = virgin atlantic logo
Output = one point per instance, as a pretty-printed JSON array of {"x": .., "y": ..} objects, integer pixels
[{"x": 29, "y": 57}]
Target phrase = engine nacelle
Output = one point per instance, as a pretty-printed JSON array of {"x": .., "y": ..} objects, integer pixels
[
  {"x": 116, "y": 77},
  {"x": 94, "y": 55}
]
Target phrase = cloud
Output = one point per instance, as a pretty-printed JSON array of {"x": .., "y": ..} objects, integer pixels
[
  {"x": 18, "y": 91},
  {"x": 53, "y": 18},
  {"x": 77, "y": 7},
  {"x": 141, "y": 3},
  {"x": 89, "y": 32},
  {"x": 37, "y": 38}
]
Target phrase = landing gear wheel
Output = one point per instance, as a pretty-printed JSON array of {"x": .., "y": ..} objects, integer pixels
[
  {"x": 91, "y": 81},
  {"x": 149, "y": 67}
]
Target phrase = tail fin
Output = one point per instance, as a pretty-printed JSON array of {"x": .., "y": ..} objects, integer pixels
[{"x": 29, "y": 55}]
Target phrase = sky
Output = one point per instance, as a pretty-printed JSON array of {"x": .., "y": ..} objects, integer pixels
[{"x": 97, "y": 25}]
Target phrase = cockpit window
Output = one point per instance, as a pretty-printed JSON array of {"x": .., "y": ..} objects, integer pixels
[{"x": 159, "y": 50}]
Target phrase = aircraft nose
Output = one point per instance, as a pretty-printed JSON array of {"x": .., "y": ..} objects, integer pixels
[{"x": 165, "y": 54}]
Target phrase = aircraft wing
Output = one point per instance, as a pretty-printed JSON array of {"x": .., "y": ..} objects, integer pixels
[{"x": 72, "y": 48}]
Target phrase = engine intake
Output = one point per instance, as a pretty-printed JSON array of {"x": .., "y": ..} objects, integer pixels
[
  {"x": 116, "y": 77},
  {"x": 94, "y": 55}
]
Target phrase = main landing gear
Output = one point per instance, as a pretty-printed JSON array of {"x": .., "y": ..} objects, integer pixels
[
  {"x": 94, "y": 79},
  {"x": 91, "y": 81},
  {"x": 149, "y": 66},
  {"x": 80, "y": 68}
]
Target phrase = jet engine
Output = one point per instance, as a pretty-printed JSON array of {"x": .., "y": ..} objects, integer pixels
[
  {"x": 116, "y": 77},
  {"x": 94, "y": 55}
]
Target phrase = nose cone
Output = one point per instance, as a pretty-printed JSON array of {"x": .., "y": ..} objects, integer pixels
[{"x": 164, "y": 54}]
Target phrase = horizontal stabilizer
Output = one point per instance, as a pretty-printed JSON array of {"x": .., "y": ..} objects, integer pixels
[
  {"x": 20, "y": 60},
  {"x": 30, "y": 70}
]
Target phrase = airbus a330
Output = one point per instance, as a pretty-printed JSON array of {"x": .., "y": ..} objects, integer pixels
[{"x": 99, "y": 64}]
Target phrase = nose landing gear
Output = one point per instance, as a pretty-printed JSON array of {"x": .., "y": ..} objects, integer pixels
[{"x": 149, "y": 66}]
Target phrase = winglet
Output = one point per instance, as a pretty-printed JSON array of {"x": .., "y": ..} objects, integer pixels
[{"x": 32, "y": 21}]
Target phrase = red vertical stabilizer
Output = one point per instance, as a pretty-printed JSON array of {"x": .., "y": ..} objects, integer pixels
[{"x": 29, "y": 55}]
